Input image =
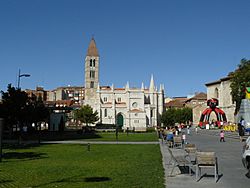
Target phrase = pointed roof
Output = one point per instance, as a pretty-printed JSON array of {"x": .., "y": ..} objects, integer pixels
[
  {"x": 152, "y": 84},
  {"x": 92, "y": 50}
]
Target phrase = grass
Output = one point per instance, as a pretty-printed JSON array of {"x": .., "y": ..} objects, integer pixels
[
  {"x": 95, "y": 136},
  {"x": 64, "y": 165},
  {"x": 135, "y": 137}
]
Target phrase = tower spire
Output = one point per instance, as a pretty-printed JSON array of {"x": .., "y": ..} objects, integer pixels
[
  {"x": 92, "y": 49},
  {"x": 152, "y": 84}
]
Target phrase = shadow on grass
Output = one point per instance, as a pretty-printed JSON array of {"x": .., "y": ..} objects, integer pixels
[
  {"x": 5, "y": 181},
  {"x": 24, "y": 155},
  {"x": 20, "y": 146},
  {"x": 29, "y": 140},
  {"x": 71, "y": 135},
  {"x": 76, "y": 179},
  {"x": 97, "y": 179}
]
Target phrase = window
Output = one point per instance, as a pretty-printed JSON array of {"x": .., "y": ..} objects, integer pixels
[
  {"x": 119, "y": 99},
  {"x": 92, "y": 62},
  {"x": 105, "y": 99},
  {"x": 134, "y": 104},
  {"x": 92, "y": 74},
  {"x": 136, "y": 121},
  {"x": 92, "y": 84},
  {"x": 105, "y": 113},
  {"x": 151, "y": 113},
  {"x": 216, "y": 93}
]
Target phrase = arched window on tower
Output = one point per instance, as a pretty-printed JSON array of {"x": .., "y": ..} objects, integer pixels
[
  {"x": 91, "y": 84},
  {"x": 216, "y": 93},
  {"x": 93, "y": 62},
  {"x": 92, "y": 74},
  {"x": 90, "y": 62}
]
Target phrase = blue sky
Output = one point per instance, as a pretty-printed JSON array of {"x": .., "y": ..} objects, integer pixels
[{"x": 183, "y": 43}]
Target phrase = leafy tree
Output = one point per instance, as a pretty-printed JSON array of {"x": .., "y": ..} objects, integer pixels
[
  {"x": 19, "y": 109},
  {"x": 240, "y": 80},
  {"x": 86, "y": 115},
  {"x": 13, "y": 105},
  {"x": 37, "y": 110},
  {"x": 172, "y": 116},
  {"x": 168, "y": 118}
]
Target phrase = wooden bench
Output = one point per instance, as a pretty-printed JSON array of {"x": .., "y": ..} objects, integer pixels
[
  {"x": 179, "y": 161},
  {"x": 177, "y": 142},
  {"x": 191, "y": 151},
  {"x": 206, "y": 160}
]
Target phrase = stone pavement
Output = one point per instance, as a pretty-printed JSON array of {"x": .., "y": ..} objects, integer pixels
[{"x": 231, "y": 170}]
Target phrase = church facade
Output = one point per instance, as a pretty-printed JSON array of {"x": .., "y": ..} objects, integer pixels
[{"x": 129, "y": 108}]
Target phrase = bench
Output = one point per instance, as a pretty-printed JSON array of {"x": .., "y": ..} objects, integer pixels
[
  {"x": 177, "y": 142},
  {"x": 191, "y": 151},
  {"x": 179, "y": 161},
  {"x": 206, "y": 160}
]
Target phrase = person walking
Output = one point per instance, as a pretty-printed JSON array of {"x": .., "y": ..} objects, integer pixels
[
  {"x": 188, "y": 130},
  {"x": 222, "y": 136},
  {"x": 196, "y": 129},
  {"x": 241, "y": 131},
  {"x": 183, "y": 137}
]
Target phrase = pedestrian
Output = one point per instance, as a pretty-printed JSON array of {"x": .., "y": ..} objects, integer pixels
[
  {"x": 241, "y": 131},
  {"x": 183, "y": 137},
  {"x": 242, "y": 122},
  {"x": 222, "y": 136},
  {"x": 196, "y": 129},
  {"x": 188, "y": 130}
]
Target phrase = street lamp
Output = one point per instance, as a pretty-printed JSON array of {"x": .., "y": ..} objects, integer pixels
[{"x": 19, "y": 76}]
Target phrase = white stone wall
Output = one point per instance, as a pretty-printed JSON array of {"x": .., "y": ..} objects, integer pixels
[
  {"x": 225, "y": 98},
  {"x": 131, "y": 105}
]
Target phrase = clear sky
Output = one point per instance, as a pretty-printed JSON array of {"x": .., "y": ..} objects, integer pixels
[{"x": 183, "y": 43}]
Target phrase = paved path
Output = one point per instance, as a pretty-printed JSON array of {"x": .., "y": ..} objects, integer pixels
[{"x": 231, "y": 171}]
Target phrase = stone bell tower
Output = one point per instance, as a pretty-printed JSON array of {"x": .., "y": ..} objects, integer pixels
[{"x": 91, "y": 74}]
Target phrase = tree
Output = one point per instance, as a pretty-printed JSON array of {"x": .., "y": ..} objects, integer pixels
[
  {"x": 240, "y": 80},
  {"x": 86, "y": 115},
  {"x": 172, "y": 116},
  {"x": 19, "y": 109},
  {"x": 13, "y": 105},
  {"x": 168, "y": 118}
]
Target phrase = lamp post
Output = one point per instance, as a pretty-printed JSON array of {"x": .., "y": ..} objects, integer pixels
[{"x": 19, "y": 76}]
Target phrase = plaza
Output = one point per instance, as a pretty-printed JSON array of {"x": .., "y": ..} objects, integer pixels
[{"x": 230, "y": 169}]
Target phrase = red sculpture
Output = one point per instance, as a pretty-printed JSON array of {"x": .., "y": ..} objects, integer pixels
[{"x": 220, "y": 114}]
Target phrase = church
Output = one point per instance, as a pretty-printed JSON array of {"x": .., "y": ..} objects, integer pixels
[{"x": 130, "y": 108}]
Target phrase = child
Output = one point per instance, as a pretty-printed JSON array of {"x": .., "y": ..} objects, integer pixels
[
  {"x": 183, "y": 138},
  {"x": 222, "y": 136}
]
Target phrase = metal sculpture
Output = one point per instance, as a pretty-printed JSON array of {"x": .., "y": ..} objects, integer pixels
[{"x": 220, "y": 114}]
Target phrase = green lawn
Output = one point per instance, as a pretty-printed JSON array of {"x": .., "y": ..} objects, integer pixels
[
  {"x": 64, "y": 165},
  {"x": 123, "y": 137}
]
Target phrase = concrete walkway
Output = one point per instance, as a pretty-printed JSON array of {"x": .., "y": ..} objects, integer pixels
[{"x": 231, "y": 171}]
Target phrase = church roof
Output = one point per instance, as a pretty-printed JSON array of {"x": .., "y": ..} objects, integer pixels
[{"x": 92, "y": 50}]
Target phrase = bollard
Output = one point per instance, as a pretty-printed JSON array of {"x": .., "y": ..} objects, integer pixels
[{"x": 88, "y": 145}]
